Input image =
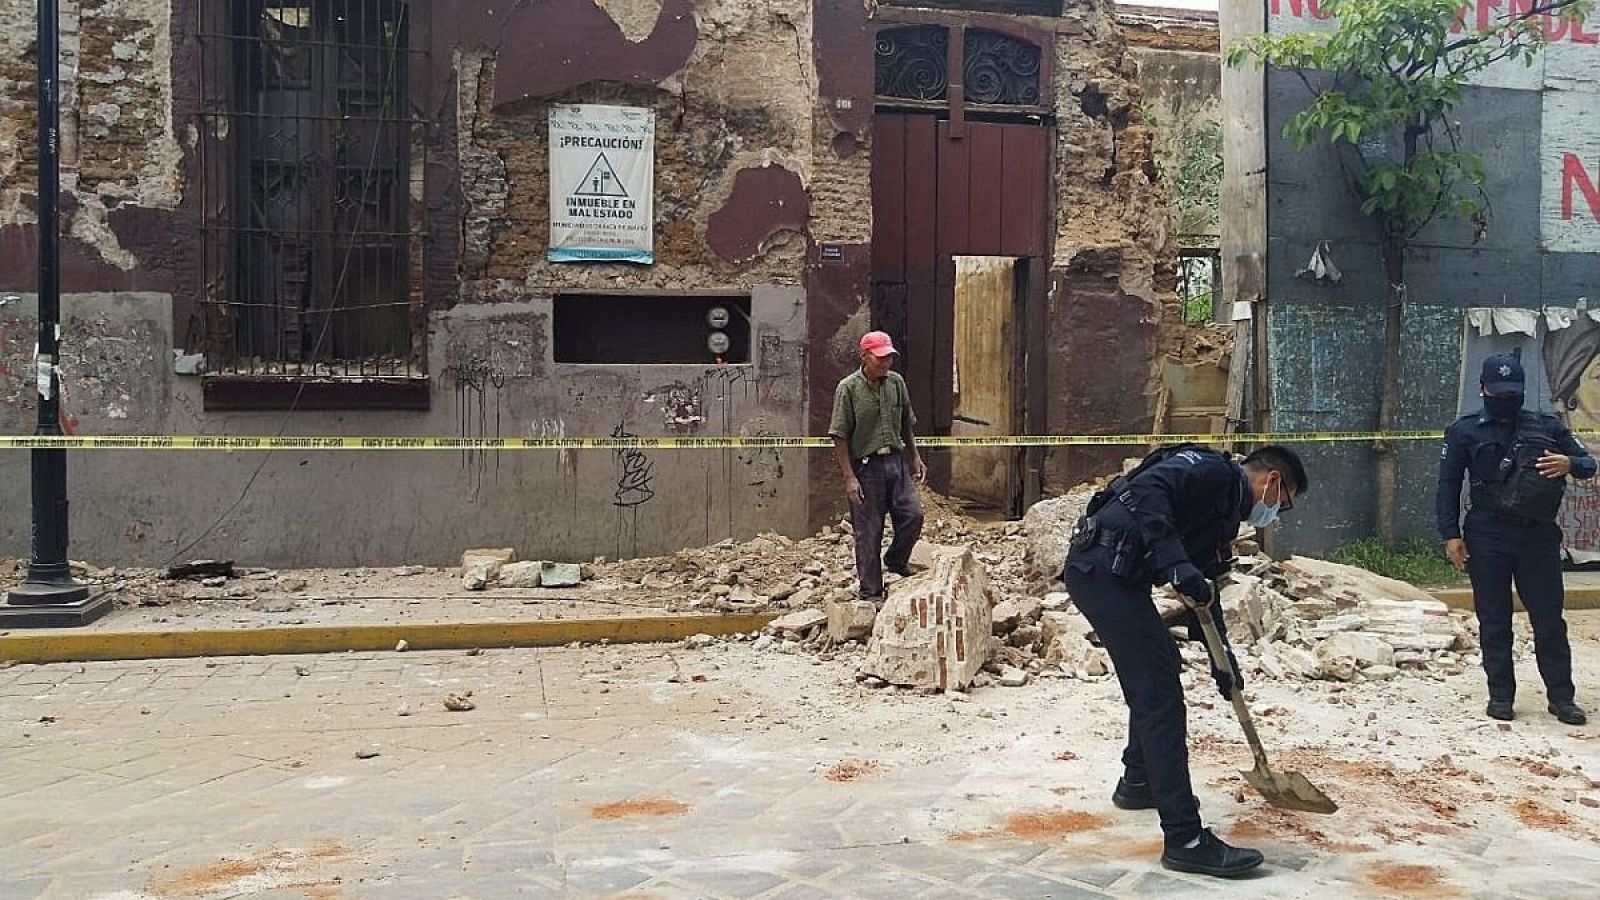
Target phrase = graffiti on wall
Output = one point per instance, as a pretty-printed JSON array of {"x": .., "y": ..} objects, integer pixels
[
  {"x": 635, "y": 487},
  {"x": 483, "y": 357}
]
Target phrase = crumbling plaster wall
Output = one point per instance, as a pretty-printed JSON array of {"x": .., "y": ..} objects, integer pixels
[
  {"x": 733, "y": 164},
  {"x": 1183, "y": 104},
  {"x": 1113, "y": 312},
  {"x": 1112, "y": 309},
  {"x": 119, "y": 145},
  {"x": 762, "y": 107},
  {"x": 741, "y": 101},
  {"x": 732, "y": 84}
]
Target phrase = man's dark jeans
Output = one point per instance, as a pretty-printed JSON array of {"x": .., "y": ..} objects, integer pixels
[
  {"x": 1147, "y": 664},
  {"x": 886, "y": 489}
]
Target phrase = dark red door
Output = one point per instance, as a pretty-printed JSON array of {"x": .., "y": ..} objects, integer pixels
[{"x": 935, "y": 197}]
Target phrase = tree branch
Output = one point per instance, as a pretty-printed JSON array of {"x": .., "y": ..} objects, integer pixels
[{"x": 1506, "y": 22}]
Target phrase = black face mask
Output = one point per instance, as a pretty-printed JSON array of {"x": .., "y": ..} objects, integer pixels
[{"x": 1504, "y": 407}]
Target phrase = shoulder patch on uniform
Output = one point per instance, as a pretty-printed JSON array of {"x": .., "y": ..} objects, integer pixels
[{"x": 1444, "y": 451}]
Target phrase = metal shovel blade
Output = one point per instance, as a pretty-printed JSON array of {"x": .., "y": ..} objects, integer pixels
[{"x": 1289, "y": 790}]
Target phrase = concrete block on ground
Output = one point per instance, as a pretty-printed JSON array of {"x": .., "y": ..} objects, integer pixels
[
  {"x": 1014, "y": 612},
  {"x": 799, "y": 622},
  {"x": 561, "y": 575},
  {"x": 1047, "y": 527},
  {"x": 935, "y": 627},
  {"x": 1077, "y": 657},
  {"x": 521, "y": 575},
  {"x": 501, "y": 555},
  {"x": 850, "y": 619},
  {"x": 480, "y": 567},
  {"x": 1346, "y": 652}
]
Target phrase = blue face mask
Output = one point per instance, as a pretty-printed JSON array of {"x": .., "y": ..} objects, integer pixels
[{"x": 1263, "y": 514}]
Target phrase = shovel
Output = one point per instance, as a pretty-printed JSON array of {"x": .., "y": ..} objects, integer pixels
[{"x": 1288, "y": 790}]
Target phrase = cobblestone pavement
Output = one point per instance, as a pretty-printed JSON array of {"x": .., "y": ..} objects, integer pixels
[{"x": 654, "y": 772}]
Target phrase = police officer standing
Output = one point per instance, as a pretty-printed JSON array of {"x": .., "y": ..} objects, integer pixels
[
  {"x": 1172, "y": 520},
  {"x": 1517, "y": 462}
]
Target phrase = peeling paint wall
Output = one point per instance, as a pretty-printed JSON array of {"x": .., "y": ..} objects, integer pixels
[
  {"x": 1180, "y": 76},
  {"x": 763, "y": 179},
  {"x": 119, "y": 144},
  {"x": 732, "y": 84},
  {"x": 1112, "y": 307}
]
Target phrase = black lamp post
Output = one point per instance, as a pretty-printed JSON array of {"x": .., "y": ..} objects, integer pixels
[{"x": 50, "y": 597}]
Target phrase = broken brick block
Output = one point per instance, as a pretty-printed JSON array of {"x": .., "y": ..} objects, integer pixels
[{"x": 935, "y": 627}]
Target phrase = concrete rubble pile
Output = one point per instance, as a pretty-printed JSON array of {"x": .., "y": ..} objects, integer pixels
[
  {"x": 1308, "y": 618},
  {"x": 499, "y": 567},
  {"x": 772, "y": 572},
  {"x": 1294, "y": 620},
  {"x": 1299, "y": 619}
]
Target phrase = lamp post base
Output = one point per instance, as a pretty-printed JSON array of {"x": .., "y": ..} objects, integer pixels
[{"x": 37, "y": 604}]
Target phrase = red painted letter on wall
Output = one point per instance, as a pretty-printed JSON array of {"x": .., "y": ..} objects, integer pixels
[{"x": 1574, "y": 176}]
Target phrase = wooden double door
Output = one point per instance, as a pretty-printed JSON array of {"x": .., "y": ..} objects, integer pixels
[{"x": 960, "y": 274}]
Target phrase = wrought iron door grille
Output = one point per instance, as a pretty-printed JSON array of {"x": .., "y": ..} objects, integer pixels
[
  {"x": 913, "y": 63},
  {"x": 308, "y": 149}
]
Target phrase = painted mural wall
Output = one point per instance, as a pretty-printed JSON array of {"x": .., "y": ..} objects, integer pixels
[{"x": 1538, "y": 130}]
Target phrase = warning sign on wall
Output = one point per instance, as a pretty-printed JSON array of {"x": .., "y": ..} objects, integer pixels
[{"x": 602, "y": 182}]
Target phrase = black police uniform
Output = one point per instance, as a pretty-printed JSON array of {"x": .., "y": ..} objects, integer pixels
[
  {"x": 1185, "y": 508},
  {"x": 1502, "y": 547}
]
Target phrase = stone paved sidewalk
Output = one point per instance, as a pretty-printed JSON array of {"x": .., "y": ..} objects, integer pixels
[{"x": 654, "y": 772}]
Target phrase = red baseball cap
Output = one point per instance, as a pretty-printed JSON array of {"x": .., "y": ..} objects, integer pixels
[{"x": 878, "y": 344}]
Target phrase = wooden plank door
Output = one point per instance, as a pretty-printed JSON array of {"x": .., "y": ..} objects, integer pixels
[{"x": 937, "y": 196}]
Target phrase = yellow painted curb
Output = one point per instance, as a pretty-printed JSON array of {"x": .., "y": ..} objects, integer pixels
[
  {"x": 1576, "y": 598},
  {"x": 65, "y": 645}
]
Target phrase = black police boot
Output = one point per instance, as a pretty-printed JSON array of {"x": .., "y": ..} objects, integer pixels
[
  {"x": 1211, "y": 856},
  {"x": 1568, "y": 712},
  {"x": 1129, "y": 795},
  {"x": 1501, "y": 709}
]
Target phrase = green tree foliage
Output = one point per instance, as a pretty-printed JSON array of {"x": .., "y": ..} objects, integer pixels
[{"x": 1396, "y": 69}]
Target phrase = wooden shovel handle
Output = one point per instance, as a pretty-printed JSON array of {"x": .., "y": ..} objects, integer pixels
[{"x": 1219, "y": 658}]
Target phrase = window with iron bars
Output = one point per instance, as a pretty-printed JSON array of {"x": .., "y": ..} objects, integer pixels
[{"x": 308, "y": 148}]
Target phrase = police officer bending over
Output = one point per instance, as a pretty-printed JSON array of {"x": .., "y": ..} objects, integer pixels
[
  {"x": 1172, "y": 521},
  {"x": 1518, "y": 463}
]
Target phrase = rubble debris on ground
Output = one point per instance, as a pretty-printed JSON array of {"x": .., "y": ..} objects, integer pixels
[
  {"x": 201, "y": 568},
  {"x": 850, "y": 619},
  {"x": 1309, "y": 618},
  {"x": 1046, "y": 527},
  {"x": 1297, "y": 619},
  {"x": 498, "y": 567},
  {"x": 479, "y": 567},
  {"x": 526, "y": 574}
]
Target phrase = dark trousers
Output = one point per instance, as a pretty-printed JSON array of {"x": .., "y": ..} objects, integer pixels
[
  {"x": 1147, "y": 664},
  {"x": 1529, "y": 554},
  {"x": 886, "y": 490}
]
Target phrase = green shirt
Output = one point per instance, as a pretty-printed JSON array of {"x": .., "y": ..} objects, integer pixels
[{"x": 869, "y": 420}]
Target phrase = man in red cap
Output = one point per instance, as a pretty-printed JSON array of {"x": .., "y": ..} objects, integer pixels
[{"x": 877, "y": 455}]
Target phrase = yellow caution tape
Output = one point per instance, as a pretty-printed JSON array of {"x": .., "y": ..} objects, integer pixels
[{"x": 203, "y": 442}]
